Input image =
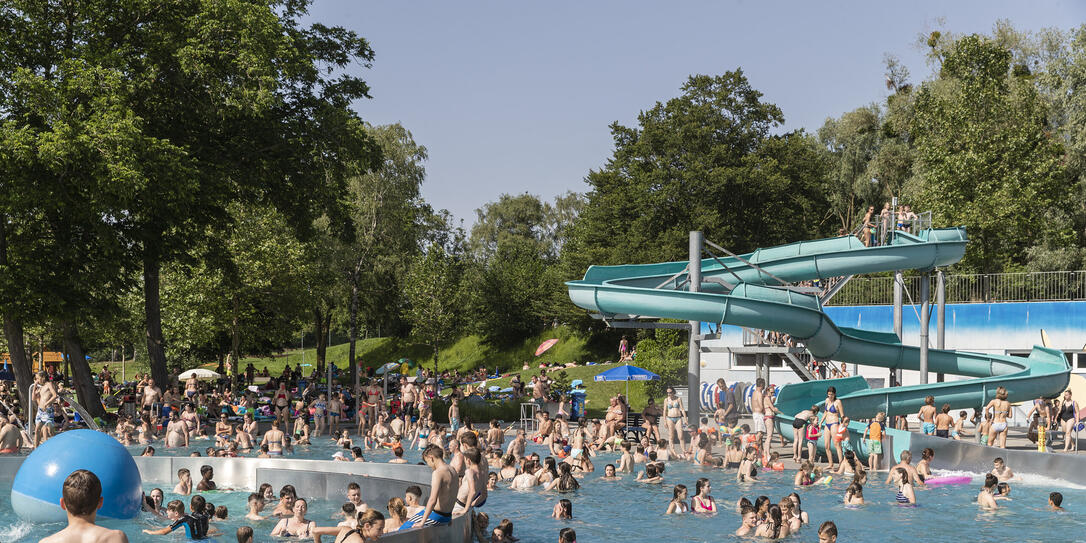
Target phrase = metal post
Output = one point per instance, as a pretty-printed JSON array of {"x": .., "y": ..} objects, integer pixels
[
  {"x": 925, "y": 322},
  {"x": 940, "y": 315},
  {"x": 693, "y": 368},
  {"x": 898, "y": 294}
]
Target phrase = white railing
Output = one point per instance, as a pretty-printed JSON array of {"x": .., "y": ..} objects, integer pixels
[{"x": 973, "y": 288}]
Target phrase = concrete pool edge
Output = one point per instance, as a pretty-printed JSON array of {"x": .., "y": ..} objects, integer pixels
[{"x": 312, "y": 478}]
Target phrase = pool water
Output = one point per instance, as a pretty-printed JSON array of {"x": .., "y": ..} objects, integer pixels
[{"x": 626, "y": 510}]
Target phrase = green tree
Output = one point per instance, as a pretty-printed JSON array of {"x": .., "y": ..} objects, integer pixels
[
  {"x": 854, "y": 141},
  {"x": 387, "y": 214},
  {"x": 702, "y": 161},
  {"x": 235, "y": 102},
  {"x": 431, "y": 289},
  {"x": 984, "y": 157}
]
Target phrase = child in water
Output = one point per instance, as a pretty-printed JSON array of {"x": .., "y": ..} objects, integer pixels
[{"x": 677, "y": 505}]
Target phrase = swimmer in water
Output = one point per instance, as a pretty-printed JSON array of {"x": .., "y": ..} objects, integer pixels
[
  {"x": 797, "y": 510},
  {"x": 985, "y": 498},
  {"x": 827, "y": 533},
  {"x": 651, "y": 475},
  {"x": 803, "y": 476},
  {"x": 1001, "y": 471},
  {"x": 747, "y": 471},
  {"x": 1055, "y": 501},
  {"x": 854, "y": 494},
  {"x": 81, "y": 497},
  {"x": 923, "y": 467},
  {"x": 256, "y": 505},
  {"x": 749, "y": 522},
  {"x": 609, "y": 473},
  {"x": 677, "y": 505},
  {"x": 774, "y": 527},
  {"x": 905, "y": 493},
  {"x": 702, "y": 501}
]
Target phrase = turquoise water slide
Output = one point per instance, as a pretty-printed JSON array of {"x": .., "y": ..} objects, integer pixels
[{"x": 749, "y": 294}]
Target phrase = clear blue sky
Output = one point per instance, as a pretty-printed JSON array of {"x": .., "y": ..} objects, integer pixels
[{"x": 513, "y": 97}]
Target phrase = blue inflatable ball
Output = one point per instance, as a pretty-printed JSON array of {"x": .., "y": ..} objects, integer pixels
[{"x": 36, "y": 491}]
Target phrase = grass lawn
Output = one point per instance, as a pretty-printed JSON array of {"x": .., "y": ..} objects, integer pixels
[{"x": 466, "y": 353}]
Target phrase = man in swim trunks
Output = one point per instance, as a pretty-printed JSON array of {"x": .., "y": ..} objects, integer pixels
[
  {"x": 152, "y": 397},
  {"x": 943, "y": 422},
  {"x": 927, "y": 416},
  {"x": 409, "y": 400},
  {"x": 444, "y": 487},
  {"x": 43, "y": 395},
  {"x": 11, "y": 437},
  {"x": 81, "y": 498},
  {"x": 756, "y": 408}
]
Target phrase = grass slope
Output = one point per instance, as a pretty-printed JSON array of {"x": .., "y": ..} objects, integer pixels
[{"x": 466, "y": 353}]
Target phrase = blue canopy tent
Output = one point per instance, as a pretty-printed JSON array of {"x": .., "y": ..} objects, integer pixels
[{"x": 626, "y": 373}]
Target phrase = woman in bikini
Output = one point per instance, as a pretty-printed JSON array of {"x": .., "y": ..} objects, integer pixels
[
  {"x": 830, "y": 419},
  {"x": 146, "y": 431},
  {"x": 1001, "y": 409},
  {"x": 674, "y": 415},
  {"x": 296, "y": 525},
  {"x": 702, "y": 502},
  {"x": 191, "y": 420},
  {"x": 905, "y": 494},
  {"x": 223, "y": 431}
]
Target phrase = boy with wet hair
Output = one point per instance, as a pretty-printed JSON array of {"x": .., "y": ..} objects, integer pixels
[
  {"x": 195, "y": 523},
  {"x": 81, "y": 497},
  {"x": 175, "y": 510},
  {"x": 184, "y": 482},
  {"x": 1001, "y": 471},
  {"x": 256, "y": 505},
  {"x": 206, "y": 473}
]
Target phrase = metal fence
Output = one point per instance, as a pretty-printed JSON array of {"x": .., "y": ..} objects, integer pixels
[{"x": 972, "y": 288}]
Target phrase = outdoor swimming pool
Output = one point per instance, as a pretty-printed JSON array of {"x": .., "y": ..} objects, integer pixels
[{"x": 625, "y": 510}]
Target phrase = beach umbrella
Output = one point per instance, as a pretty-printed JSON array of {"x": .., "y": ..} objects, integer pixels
[
  {"x": 387, "y": 368},
  {"x": 199, "y": 373},
  {"x": 626, "y": 373},
  {"x": 545, "y": 345}
]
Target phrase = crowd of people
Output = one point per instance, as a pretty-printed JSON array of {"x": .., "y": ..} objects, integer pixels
[{"x": 468, "y": 462}]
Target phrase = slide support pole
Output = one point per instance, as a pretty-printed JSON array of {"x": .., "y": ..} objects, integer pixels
[
  {"x": 925, "y": 322},
  {"x": 693, "y": 368},
  {"x": 940, "y": 315}
]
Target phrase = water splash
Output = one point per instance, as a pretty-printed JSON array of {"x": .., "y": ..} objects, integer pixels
[
  {"x": 16, "y": 531},
  {"x": 1026, "y": 479}
]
